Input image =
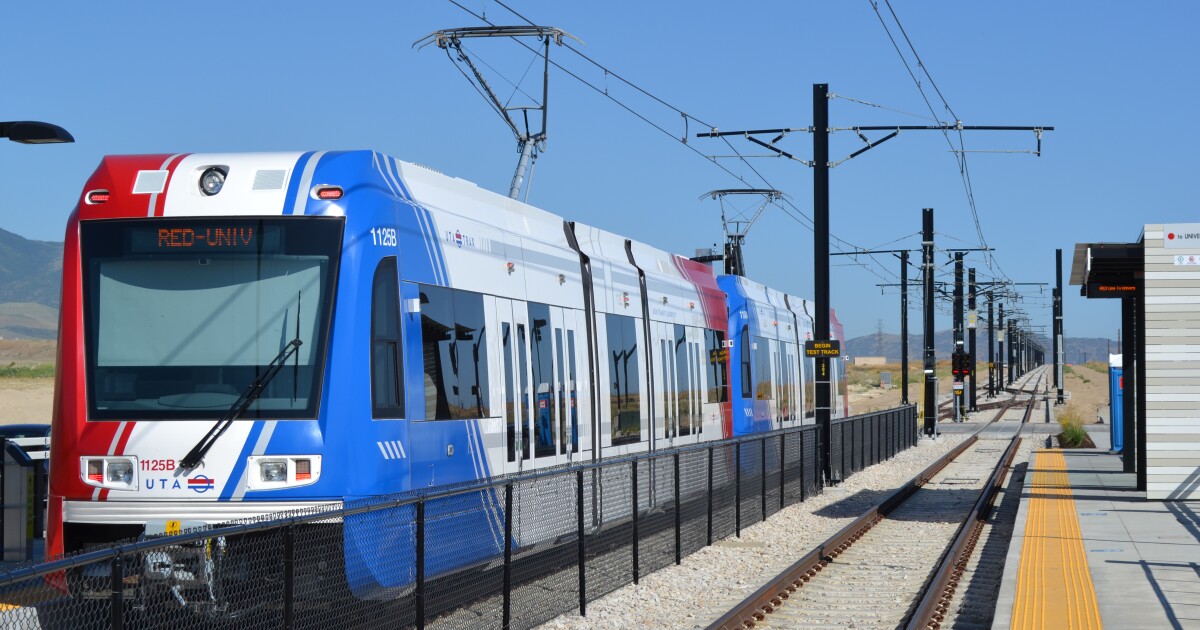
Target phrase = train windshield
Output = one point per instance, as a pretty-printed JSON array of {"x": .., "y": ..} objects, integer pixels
[{"x": 182, "y": 315}]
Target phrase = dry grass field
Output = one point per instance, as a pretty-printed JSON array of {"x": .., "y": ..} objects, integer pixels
[{"x": 1087, "y": 385}]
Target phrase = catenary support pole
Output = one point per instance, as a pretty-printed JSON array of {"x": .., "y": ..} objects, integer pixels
[
  {"x": 904, "y": 327},
  {"x": 821, "y": 257},
  {"x": 974, "y": 323},
  {"x": 930, "y": 398}
]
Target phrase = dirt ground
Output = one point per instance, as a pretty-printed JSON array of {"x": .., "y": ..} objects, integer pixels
[
  {"x": 26, "y": 400},
  {"x": 1086, "y": 385}
]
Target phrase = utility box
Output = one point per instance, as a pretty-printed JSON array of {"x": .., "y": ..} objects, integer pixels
[
  {"x": 17, "y": 493},
  {"x": 1116, "y": 396}
]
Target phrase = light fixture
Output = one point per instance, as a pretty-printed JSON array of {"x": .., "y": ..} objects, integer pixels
[
  {"x": 212, "y": 180},
  {"x": 34, "y": 132}
]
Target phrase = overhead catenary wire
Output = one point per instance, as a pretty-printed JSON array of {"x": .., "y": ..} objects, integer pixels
[
  {"x": 796, "y": 213},
  {"x": 960, "y": 154}
]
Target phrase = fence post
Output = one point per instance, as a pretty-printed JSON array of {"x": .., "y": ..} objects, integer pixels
[
  {"x": 636, "y": 568},
  {"x": 803, "y": 469},
  {"x": 582, "y": 547},
  {"x": 116, "y": 598},
  {"x": 710, "y": 494},
  {"x": 420, "y": 590},
  {"x": 782, "y": 469},
  {"x": 762, "y": 492},
  {"x": 737, "y": 489},
  {"x": 508, "y": 510},
  {"x": 289, "y": 576},
  {"x": 678, "y": 514}
]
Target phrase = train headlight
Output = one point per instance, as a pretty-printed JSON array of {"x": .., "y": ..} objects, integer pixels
[
  {"x": 114, "y": 472},
  {"x": 120, "y": 472},
  {"x": 273, "y": 471},
  {"x": 212, "y": 180}
]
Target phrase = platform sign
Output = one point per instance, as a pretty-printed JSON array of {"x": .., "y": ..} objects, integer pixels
[
  {"x": 958, "y": 388},
  {"x": 827, "y": 349},
  {"x": 1111, "y": 290},
  {"x": 1181, "y": 235}
]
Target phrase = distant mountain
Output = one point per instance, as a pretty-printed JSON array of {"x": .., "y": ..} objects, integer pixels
[
  {"x": 30, "y": 281},
  {"x": 26, "y": 320},
  {"x": 30, "y": 271},
  {"x": 1076, "y": 349}
]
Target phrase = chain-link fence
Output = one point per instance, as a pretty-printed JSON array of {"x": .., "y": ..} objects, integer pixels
[{"x": 514, "y": 552}]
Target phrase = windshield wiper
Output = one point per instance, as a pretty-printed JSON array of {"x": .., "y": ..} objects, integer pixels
[{"x": 239, "y": 407}]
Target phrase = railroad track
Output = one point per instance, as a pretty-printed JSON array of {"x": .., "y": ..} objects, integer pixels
[{"x": 899, "y": 564}]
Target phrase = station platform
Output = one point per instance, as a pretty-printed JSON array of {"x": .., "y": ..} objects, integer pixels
[{"x": 1088, "y": 551}]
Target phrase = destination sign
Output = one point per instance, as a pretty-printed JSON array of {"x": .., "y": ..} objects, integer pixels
[
  {"x": 1111, "y": 290},
  {"x": 205, "y": 237},
  {"x": 1181, "y": 235},
  {"x": 829, "y": 349}
]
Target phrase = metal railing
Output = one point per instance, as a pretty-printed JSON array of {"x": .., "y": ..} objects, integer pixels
[{"x": 513, "y": 552}]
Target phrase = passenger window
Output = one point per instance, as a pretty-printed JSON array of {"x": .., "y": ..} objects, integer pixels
[
  {"x": 543, "y": 380},
  {"x": 454, "y": 349},
  {"x": 387, "y": 382},
  {"x": 718, "y": 361},
  {"x": 747, "y": 376},
  {"x": 762, "y": 369},
  {"x": 625, "y": 397}
]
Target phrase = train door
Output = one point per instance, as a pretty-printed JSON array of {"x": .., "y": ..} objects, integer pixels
[
  {"x": 664, "y": 419},
  {"x": 556, "y": 337},
  {"x": 518, "y": 403},
  {"x": 689, "y": 418},
  {"x": 792, "y": 376}
]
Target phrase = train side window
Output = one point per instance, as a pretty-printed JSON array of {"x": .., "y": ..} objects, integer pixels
[
  {"x": 762, "y": 369},
  {"x": 470, "y": 336},
  {"x": 454, "y": 351},
  {"x": 387, "y": 381},
  {"x": 682, "y": 382},
  {"x": 571, "y": 385},
  {"x": 526, "y": 401},
  {"x": 543, "y": 380},
  {"x": 622, "y": 362},
  {"x": 747, "y": 375},
  {"x": 718, "y": 365},
  {"x": 810, "y": 388},
  {"x": 440, "y": 360},
  {"x": 561, "y": 382},
  {"x": 510, "y": 398}
]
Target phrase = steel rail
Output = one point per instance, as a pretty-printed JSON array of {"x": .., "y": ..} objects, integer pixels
[
  {"x": 939, "y": 593},
  {"x": 765, "y": 600}
]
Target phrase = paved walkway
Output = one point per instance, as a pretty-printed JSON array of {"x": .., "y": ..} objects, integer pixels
[{"x": 1143, "y": 557}]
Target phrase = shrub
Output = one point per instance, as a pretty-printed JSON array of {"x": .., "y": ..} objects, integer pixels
[{"x": 1073, "y": 434}]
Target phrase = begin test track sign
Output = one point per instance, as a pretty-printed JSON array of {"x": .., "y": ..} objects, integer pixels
[{"x": 831, "y": 348}]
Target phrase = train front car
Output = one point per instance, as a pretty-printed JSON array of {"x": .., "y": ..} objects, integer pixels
[{"x": 219, "y": 354}]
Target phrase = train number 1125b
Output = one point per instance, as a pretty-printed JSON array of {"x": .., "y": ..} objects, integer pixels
[{"x": 385, "y": 237}]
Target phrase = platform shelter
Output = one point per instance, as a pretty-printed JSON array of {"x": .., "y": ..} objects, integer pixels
[{"x": 1157, "y": 279}]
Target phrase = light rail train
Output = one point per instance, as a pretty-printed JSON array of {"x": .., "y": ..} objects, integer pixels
[{"x": 244, "y": 334}]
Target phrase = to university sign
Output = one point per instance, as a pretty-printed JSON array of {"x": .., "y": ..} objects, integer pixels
[{"x": 1181, "y": 235}]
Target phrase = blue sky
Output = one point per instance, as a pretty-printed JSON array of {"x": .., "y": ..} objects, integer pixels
[{"x": 1116, "y": 80}]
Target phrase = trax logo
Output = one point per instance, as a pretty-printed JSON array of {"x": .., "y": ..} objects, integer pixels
[
  {"x": 460, "y": 239},
  {"x": 201, "y": 484}
]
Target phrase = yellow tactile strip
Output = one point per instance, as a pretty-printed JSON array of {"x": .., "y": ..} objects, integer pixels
[{"x": 1054, "y": 587}]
